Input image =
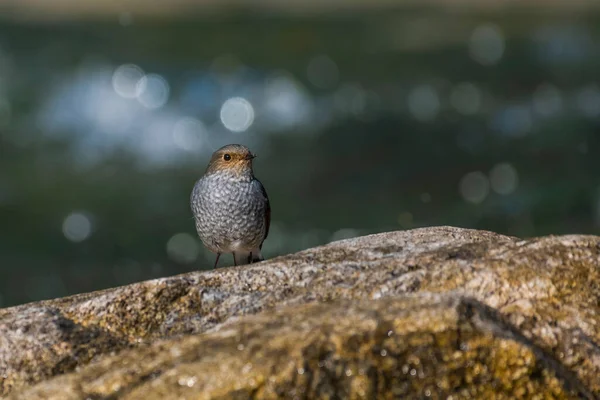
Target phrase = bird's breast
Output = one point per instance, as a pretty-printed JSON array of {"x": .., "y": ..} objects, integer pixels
[{"x": 225, "y": 203}]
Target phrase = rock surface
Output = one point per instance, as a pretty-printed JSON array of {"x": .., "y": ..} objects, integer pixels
[{"x": 431, "y": 312}]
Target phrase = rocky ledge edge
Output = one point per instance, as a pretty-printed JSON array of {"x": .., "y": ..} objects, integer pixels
[{"x": 434, "y": 312}]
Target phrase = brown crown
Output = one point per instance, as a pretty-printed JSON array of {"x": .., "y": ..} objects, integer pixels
[{"x": 232, "y": 157}]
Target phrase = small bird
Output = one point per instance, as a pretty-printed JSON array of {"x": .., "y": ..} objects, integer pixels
[{"x": 231, "y": 207}]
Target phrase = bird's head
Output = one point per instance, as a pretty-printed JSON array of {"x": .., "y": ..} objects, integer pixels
[{"x": 232, "y": 158}]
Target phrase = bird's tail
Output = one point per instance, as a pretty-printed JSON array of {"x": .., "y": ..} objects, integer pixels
[{"x": 247, "y": 257}]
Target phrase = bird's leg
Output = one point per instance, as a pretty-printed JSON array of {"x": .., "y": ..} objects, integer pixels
[
  {"x": 217, "y": 260},
  {"x": 234, "y": 262},
  {"x": 250, "y": 258}
]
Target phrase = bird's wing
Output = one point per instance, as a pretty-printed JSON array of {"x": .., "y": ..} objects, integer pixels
[
  {"x": 195, "y": 199},
  {"x": 267, "y": 210}
]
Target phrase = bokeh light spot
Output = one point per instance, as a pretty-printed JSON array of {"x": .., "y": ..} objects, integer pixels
[
  {"x": 486, "y": 45},
  {"x": 152, "y": 91},
  {"x": 77, "y": 227},
  {"x": 350, "y": 99},
  {"x": 183, "y": 248},
  {"x": 237, "y": 114},
  {"x": 424, "y": 103},
  {"x": 504, "y": 178},
  {"x": 474, "y": 187},
  {"x": 188, "y": 134},
  {"x": 286, "y": 103},
  {"x": 513, "y": 120},
  {"x": 125, "y": 80}
]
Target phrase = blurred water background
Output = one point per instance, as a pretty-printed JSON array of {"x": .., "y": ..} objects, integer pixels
[{"x": 380, "y": 116}]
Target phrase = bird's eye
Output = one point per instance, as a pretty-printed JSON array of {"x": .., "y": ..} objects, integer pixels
[{"x": 226, "y": 157}]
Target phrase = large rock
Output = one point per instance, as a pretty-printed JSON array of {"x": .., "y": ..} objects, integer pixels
[{"x": 432, "y": 312}]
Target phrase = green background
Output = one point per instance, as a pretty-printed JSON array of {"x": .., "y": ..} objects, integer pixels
[{"x": 358, "y": 128}]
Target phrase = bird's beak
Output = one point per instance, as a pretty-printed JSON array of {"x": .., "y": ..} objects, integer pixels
[{"x": 250, "y": 156}]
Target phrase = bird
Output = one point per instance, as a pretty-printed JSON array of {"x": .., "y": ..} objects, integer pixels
[{"x": 231, "y": 207}]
